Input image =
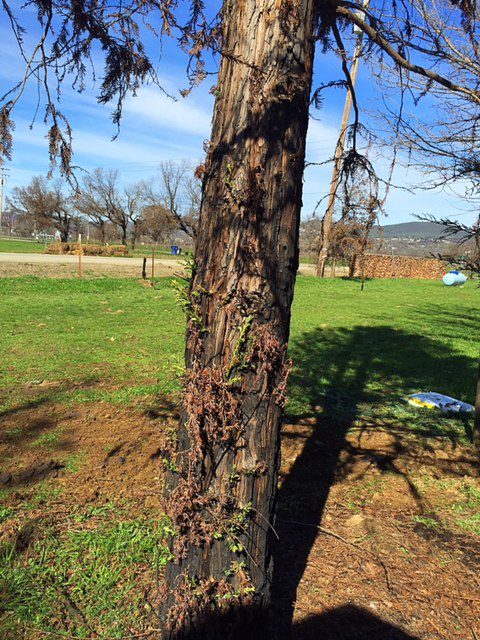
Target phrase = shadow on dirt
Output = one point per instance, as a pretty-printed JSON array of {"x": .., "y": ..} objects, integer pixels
[
  {"x": 343, "y": 623},
  {"x": 338, "y": 375},
  {"x": 36, "y": 423},
  {"x": 347, "y": 623}
]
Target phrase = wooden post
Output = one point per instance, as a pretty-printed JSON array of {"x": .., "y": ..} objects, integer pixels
[
  {"x": 144, "y": 269},
  {"x": 153, "y": 263},
  {"x": 80, "y": 272}
]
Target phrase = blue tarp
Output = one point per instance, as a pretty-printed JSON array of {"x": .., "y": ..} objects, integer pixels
[{"x": 432, "y": 400}]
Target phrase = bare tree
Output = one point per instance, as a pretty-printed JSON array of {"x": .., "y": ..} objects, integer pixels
[
  {"x": 361, "y": 209},
  {"x": 87, "y": 204},
  {"x": 222, "y": 466},
  {"x": 193, "y": 202},
  {"x": 310, "y": 236},
  {"x": 102, "y": 199},
  {"x": 178, "y": 191},
  {"x": 10, "y": 220},
  {"x": 157, "y": 223},
  {"x": 133, "y": 198},
  {"x": 45, "y": 203}
]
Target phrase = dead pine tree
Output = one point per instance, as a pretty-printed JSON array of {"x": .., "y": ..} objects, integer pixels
[
  {"x": 222, "y": 486},
  {"x": 222, "y": 463}
]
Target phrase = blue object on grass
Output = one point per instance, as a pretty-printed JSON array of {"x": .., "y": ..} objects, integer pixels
[
  {"x": 432, "y": 400},
  {"x": 454, "y": 279}
]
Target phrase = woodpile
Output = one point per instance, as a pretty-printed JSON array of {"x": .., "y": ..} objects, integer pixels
[{"x": 378, "y": 266}]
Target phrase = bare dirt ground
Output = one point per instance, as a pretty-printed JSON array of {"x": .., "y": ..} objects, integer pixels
[{"x": 361, "y": 553}]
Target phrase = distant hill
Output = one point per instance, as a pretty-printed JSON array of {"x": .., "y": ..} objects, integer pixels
[{"x": 420, "y": 230}]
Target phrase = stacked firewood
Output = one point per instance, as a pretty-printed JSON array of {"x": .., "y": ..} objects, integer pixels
[{"x": 378, "y": 266}]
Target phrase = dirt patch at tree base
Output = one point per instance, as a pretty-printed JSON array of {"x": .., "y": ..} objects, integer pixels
[{"x": 377, "y": 529}]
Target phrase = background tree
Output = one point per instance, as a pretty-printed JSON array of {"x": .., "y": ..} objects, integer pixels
[
  {"x": 45, "y": 203},
  {"x": 133, "y": 198},
  {"x": 361, "y": 209},
  {"x": 178, "y": 191},
  {"x": 10, "y": 221},
  {"x": 88, "y": 205},
  {"x": 358, "y": 206},
  {"x": 101, "y": 199},
  {"x": 157, "y": 223},
  {"x": 223, "y": 463},
  {"x": 310, "y": 233}
]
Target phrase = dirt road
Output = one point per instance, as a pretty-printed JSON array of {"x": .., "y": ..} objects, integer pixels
[
  {"x": 53, "y": 266},
  {"x": 66, "y": 266}
]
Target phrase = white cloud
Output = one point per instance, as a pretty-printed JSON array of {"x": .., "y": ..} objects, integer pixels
[
  {"x": 183, "y": 116},
  {"x": 99, "y": 146}
]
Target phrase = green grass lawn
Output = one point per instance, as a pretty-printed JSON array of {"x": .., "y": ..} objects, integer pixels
[
  {"x": 95, "y": 339},
  {"x": 355, "y": 353},
  {"x": 21, "y": 246},
  {"x": 360, "y": 352},
  {"x": 160, "y": 251},
  {"x": 117, "y": 340}
]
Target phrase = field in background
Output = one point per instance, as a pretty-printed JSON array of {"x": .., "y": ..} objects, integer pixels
[
  {"x": 91, "y": 373},
  {"x": 21, "y": 246},
  {"x": 30, "y": 246},
  {"x": 16, "y": 245},
  {"x": 123, "y": 339}
]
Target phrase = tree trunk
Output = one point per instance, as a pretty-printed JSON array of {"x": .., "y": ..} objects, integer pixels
[
  {"x": 352, "y": 265},
  {"x": 124, "y": 234},
  {"x": 223, "y": 467},
  {"x": 476, "y": 420}
]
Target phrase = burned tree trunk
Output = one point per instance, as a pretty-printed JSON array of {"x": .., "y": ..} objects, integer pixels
[{"x": 223, "y": 466}]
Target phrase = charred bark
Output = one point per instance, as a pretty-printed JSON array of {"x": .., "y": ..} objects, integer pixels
[{"x": 223, "y": 467}]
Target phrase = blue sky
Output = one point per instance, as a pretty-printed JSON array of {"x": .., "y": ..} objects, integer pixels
[{"x": 156, "y": 128}]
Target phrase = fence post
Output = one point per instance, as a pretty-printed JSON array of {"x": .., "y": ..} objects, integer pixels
[{"x": 80, "y": 273}]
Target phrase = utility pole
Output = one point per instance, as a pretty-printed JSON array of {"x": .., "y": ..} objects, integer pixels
[
  {"x": 337, "y": 161},
  {"x": 3, "y": 181}
]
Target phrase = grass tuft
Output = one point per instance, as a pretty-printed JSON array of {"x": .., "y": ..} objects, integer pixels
[{"x": 80, "y": 580}]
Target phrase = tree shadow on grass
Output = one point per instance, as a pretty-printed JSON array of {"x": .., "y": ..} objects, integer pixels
[{"x": 339, "y": 375}]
